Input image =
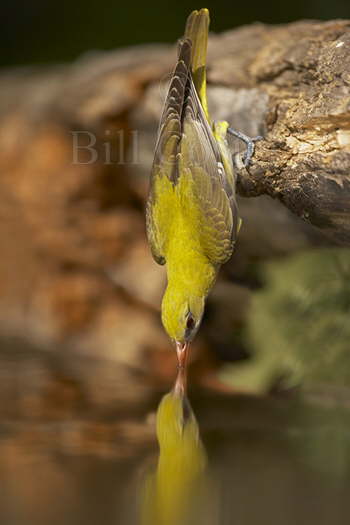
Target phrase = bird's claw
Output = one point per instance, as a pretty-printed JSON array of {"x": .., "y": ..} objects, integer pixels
[
  {"x": 250, "y": 150},
  {"x": 249, "y": 141}
]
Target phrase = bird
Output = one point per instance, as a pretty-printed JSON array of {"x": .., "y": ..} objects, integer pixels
[
  {"x": 191, "y": 213},
  {"x": 172, "y": 491}
]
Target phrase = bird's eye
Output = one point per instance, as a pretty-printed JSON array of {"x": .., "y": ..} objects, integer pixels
[{"x": 190, "y": 323}]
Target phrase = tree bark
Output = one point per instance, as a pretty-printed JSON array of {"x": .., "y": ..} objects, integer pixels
[{"x": 301, "y": 74}]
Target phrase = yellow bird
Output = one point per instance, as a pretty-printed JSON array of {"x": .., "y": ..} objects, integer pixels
[
  {"x": 171, "y": 494},
  {"x": 192, "y": 216}
]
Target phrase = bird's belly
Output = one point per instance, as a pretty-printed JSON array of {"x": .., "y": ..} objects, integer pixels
[
  {"x": 184, "y": 234},
  {"x": 178, "y": 218},
  {"x": 176, "y": 214},
  {"x": 186, "y": 260}
]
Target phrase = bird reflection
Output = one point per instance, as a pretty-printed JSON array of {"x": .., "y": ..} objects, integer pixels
[{"x": 174, "y": 493}]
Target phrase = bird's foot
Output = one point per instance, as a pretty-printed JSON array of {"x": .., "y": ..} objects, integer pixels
[{"x": 249, "y": 141}]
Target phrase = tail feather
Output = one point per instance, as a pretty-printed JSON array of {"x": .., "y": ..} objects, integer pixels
[{"x": 197, "y": 27}]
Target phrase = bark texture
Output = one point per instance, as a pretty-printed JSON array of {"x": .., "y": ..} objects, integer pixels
[{"x": 302, "y": 71}]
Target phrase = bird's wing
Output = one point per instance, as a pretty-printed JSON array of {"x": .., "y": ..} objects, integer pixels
[
  {"x": 186, "y": 147},
  {"x": 167, "y": 147},
  {"x": 200, "y": 159}
]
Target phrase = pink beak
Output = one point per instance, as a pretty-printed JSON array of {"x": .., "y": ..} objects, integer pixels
[
  {"x": 181, "y": 382},
  {"x": 182, "y": 350}
]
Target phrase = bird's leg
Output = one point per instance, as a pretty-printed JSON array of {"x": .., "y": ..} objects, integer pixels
[{"x": 249, "y": 141}]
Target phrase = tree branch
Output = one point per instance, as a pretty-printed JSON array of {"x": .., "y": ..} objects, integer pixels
[{"x": 300, "y": 77}]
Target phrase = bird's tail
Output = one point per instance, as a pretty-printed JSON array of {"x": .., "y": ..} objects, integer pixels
[{"x": 197, "y": 27}]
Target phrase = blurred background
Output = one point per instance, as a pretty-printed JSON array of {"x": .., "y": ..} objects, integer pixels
[
  {"x": 84, "y": 359},
  {"x": 42, "y": 32}
]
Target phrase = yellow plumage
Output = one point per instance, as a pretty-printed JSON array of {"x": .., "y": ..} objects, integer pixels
[
  {"x": 192, "y": 219},
  {"x": 172, "y": 493}
]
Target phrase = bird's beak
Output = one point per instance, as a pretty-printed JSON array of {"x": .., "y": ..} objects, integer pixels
[
  {"x": 181, "y": 382},
  {"x": 181, "y": 350}
]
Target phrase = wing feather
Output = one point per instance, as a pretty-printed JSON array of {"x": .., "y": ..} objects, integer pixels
[
  {"x": 186, "y": 147},
  {"x": 167, "y": 146},
  {"x": 214, "y": 195}
]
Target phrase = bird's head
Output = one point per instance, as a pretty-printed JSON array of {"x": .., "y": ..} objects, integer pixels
[
  {"x": 176, "y": 421},
  {"x": 182, "y": 313}
]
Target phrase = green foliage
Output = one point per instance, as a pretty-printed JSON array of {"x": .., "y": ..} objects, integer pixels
[
  {"x": 299, "y": 323},
  {"x": 302, "y": 316}
]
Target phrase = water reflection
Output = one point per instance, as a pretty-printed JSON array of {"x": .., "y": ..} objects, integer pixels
[
  {"x": 275, "y": 460},
  {"x": 175, "y": 491}
]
